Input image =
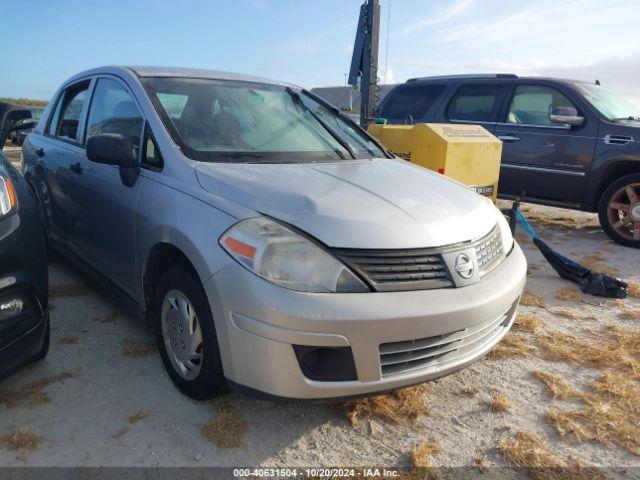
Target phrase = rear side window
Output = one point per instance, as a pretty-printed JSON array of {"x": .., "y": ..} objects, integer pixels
[
  {"x": 477, "y": 103},
  {"x": 114, "y": 111},
  {"x": 66, "y": 120},
  {"x": 410, "y": 101}
]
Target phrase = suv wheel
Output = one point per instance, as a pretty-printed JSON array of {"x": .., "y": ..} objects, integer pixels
[
  {"x": 186, "y": 335},
  {"x": 619, "y": 210}
]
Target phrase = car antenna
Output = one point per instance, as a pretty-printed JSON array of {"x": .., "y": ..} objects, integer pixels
[{"x": 597, "y": 82}]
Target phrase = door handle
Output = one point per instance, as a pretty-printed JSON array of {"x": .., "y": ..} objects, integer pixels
[
  {"x": 76, "y": 168},
  {"x": 40, "y": 152},
  {"x": 508, "y": 138}
]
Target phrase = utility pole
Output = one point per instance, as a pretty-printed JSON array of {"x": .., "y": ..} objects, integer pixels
[{"x": 364, "y": 63}]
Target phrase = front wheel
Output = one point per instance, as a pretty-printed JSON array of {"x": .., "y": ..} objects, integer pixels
[
  {"x": 619, "y": 210},
  {"x": 186, "y": 335}
]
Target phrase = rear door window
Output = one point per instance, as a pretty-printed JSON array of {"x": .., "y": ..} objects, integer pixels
[
  {"x": 476, "y": 103},
  {"x": 68, "y": 115},
  {"x": 114, "y": 111},
  {"x": 410, "y": 102}
]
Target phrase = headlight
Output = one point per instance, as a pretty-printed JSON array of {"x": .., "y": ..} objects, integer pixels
[
  {"x": 288, "y": 259},
  {"x": 7, "y": 196},
  {"x": 505, "y": 232}
]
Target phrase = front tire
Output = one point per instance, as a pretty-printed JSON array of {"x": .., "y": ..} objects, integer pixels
[
  {"x": 619, "y": 211},
  {"x": 186, "y": 335}
]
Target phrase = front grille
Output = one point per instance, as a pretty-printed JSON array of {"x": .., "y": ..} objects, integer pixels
[
  {"x": 393, "y": 270},
  {"x": 489, "y": 250},
  {"x": 436, "y": 352}
]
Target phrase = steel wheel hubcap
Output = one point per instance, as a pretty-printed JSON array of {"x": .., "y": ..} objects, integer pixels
[
  {"x": 182, "y": 335},
  {"x": 624, "y": 211}
]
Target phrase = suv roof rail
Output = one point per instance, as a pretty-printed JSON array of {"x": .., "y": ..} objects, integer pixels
[{"x": 466, "y": 75}]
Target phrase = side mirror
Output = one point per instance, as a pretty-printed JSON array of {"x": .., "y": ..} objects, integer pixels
[
  {"x": 115, "y": 149},
  {"x": 566, "y": 116},
  {"x": 112, "y": 149},
  {"x": 24, "y": 124}
]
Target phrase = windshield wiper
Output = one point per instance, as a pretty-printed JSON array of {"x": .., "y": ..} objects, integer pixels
[
  {"x": 349, "y": 121},
  {"x": 630, "y": 117},
  {"x": 298, "y": 101}
]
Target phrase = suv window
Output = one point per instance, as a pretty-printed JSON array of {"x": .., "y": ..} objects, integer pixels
[
  {"x": 478, "y": 103},
  {"x": 66, "y": 120},
  {"x": 411, "y": 100},
  {"x": 531, "y": 105},
  {"x": 114, "y": 111}
]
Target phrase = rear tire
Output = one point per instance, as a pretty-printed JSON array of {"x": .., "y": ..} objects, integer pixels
[
  {"x": 619, "y": 211},
  {"x": 192, "y": 360}
]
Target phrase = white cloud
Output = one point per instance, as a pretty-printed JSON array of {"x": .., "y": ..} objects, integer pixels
[{"x": 455, "y": 9}]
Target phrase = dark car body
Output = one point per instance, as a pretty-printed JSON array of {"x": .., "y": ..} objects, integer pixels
[
  {"x": 24, "y": 330},
  {"x": 10, "y": 115},
  {"x": 555, "y": 164},
  {"x": 19, "y": 134}
]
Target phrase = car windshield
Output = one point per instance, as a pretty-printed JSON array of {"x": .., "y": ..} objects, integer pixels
[
  {"x": 610, "y": 105},
  {"x": 233, "y": 121}
]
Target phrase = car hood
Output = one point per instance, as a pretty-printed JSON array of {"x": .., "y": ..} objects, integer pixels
[{"x": 380, "y": 203}]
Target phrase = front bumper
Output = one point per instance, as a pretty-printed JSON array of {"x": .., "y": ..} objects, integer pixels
[
  {"x": 23, "y": 277},
  {"x": 258, "y": 323}
]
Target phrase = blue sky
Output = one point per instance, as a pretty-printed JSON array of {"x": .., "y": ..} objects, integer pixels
[{"x": 309, "y": 42}]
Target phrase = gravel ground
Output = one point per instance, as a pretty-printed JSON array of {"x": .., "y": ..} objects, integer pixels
[{"x": 117, "y": 407}]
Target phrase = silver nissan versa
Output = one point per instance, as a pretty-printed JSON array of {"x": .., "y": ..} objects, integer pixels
[{"x": 274, "y": 246}]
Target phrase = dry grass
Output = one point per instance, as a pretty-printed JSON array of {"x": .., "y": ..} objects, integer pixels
[
  {"x": 566, "y": 313},
  {"x": 21, "y": 439},
  {"x": 596, "y": 262},
  {"x": 121, "y": 432},
  {"x": 528, "y": 451},
  {"x": 138, "y": 416},
  {"x": 630, "y": 314},
  {"x": 527, "y": 323},
  {"x": 136, "y": 349},
  {"x": 422, "y": 454},
  {"x": 610, "y": 414},
  {"x": 68, "y": 340},
  {"x": 514, "y": 344},
  {"x": 400, "y": 406},
  {"x": 634, "y": 289},
  {"x": 479, "y": 463},
  {"x": 228, "y": 429},
  {"x": 619, "y": 349},
  {"x": 471, "y": 390},
  {"x": 532, "y": 300},
  {"x": 557, "y": 387},
  {"x": 569, "y": 294},
  {"x": 499, "y": 404},
  {"x": 69, "y": 290},
  {"x": 31, "y": 394}
]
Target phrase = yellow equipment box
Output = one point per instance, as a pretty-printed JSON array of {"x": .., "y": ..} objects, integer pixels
[{"x": 466, "y": 153}]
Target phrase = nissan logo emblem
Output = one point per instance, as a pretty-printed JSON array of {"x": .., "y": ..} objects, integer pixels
[{"x": 464, "y": 266}]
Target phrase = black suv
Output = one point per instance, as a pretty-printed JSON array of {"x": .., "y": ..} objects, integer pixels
[{"x": 566, "y": 143}]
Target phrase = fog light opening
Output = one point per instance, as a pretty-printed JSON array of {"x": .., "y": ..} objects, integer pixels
[
  {"x": 326, "y": 364},
  {"x": 11, "y": 307}
]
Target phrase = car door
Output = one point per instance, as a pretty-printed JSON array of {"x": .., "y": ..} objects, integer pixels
[
  {"x": 478, "y": 104},
  {"x": 106, "y": 206},
  {"x": 549, "y": 161},
  {"x": 59, "y": 152}
]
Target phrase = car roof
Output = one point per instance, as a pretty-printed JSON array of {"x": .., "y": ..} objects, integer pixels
[
  {"x": 483, "y": 77},
  {"x": 150, "y": 71}
]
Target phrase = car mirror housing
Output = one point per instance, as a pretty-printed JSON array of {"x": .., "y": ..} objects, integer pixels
[
  {"x": 566, "y": 116},
  {"x": 115, "y": 149},
  {"x": 24, "y": 125},
  {"x": 111, "y": 149}
]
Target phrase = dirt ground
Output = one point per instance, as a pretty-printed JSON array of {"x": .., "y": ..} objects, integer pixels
[{"x": 102, "y": 398}]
